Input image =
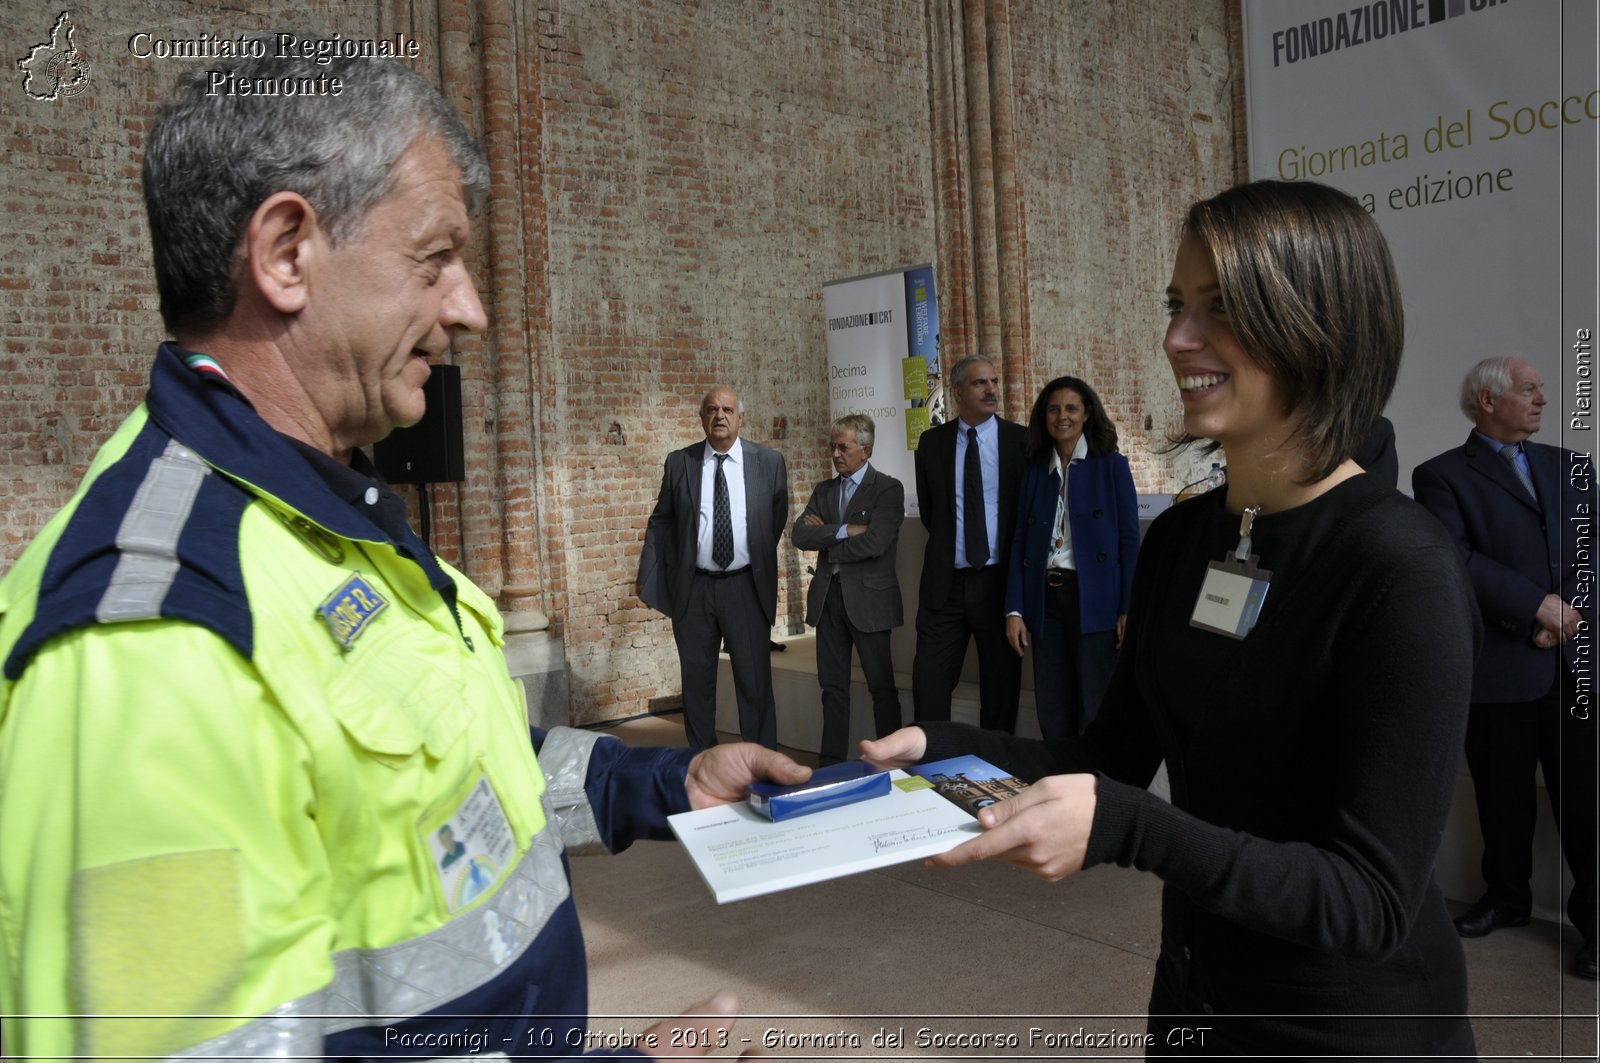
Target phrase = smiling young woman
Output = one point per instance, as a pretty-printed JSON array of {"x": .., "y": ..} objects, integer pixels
[
  {"x": 1284, "y": 334},
  {"x": 1312, "y": 746}
]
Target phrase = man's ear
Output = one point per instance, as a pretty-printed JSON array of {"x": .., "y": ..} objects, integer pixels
[{"x": 278, "y": 244}]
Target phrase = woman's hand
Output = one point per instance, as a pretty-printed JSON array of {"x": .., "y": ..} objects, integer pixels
[
  {"x": 901, "y": 749},
  {"x": 1044, "y": 829},
  {"x": 1122, "y": 628},
  {"x": 1016, "y": 633}
]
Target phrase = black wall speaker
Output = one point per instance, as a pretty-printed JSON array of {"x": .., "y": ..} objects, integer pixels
[{"x": 430, "y": 451}]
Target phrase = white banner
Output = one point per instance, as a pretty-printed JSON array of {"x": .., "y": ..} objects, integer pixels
[
  {"x": 1468, "y": 129},
  {"x": 867, "y": 358}
]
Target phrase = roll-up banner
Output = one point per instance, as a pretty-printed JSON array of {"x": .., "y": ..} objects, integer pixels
[
  {"x": 1467, "y": 128},
  {"x": 883, "y": 361}
]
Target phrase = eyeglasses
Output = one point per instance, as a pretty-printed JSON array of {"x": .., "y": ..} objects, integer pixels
[{"x": 841, "y": 448}]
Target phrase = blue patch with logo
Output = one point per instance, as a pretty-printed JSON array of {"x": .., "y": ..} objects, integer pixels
[{"x": 351, "y": 608}]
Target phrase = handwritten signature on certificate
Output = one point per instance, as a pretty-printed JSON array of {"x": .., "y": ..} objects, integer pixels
[{"x": 895, "y": 839}]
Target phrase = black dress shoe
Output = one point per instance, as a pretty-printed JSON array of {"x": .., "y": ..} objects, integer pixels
[
  {"x": 1483, "y": 919},
  {"x": 1583, "y": 964}
]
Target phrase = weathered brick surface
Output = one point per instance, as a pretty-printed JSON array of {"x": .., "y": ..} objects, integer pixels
[
  {"x": 673, "y": 183},
  {"x": 709, "y": 166},
  {"x": 1124, "y": 119}
]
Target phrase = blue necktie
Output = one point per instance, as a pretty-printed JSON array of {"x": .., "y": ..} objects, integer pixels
[{"x": 1510, "y": 454}]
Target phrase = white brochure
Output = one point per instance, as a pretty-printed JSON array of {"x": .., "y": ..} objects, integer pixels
[{"x": 741, "y": 854}]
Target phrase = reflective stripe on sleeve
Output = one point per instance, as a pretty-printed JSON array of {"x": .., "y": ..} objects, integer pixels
[
  {"x": 388, "y": 985},
  {"x": 564, "y": 758}
]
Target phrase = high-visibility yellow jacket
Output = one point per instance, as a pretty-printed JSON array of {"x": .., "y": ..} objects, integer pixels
[{"x": 266, "y": 784}]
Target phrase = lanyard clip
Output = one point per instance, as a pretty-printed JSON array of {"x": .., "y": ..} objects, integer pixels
[{"x": 1247, "y": 521}]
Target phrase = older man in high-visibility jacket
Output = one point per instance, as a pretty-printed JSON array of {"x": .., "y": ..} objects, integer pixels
[{"x": 266, "y": 785}]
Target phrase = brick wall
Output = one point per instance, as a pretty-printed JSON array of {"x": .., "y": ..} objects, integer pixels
[
  {"x": 1124, "y": 119},
  {"x": 687, "y": 175},
  {"x": 709, "y": 166}
]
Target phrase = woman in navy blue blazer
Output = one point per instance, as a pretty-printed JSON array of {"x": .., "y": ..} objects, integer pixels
[{"x": 1072, "y": 556}]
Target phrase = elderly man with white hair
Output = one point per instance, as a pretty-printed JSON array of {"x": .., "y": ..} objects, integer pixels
[{"x": 1522, "y": 514}]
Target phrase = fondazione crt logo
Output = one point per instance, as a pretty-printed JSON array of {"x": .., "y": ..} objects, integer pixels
[{"x": 54, "y": 69}]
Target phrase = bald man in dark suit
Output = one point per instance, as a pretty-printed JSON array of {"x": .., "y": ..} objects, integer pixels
[{"x": 719, "y": 585}]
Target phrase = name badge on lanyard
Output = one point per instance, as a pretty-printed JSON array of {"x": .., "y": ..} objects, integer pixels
[{"x": 1234, "y": 589}]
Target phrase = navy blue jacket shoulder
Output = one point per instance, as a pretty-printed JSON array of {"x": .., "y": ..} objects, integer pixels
[{"x": 1103, "y": 513}]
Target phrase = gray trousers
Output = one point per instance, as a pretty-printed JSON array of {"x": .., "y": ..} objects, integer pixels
[
  {"x": 725, "y": 607},
  {"x": 835, "y": 637}
]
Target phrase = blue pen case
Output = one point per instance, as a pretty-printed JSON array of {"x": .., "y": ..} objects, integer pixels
[{"x": 830, "y": 787}]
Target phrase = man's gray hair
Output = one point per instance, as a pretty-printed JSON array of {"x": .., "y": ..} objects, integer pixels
[
  {"x": 859, "y": 423},
  {"x": 958, "y": 372},
  {"x": 1492, "y": 373},
  {"x": 213, "y": 157}
]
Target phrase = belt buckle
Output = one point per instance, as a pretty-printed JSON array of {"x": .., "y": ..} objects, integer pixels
[{"x": 1055, "y": 578}]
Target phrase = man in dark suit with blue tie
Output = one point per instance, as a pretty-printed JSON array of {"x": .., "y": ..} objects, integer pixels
[
  {"x": 710, "y": 562},
  {"x": 1523, "y": 516},
  {"x": 853, "y": 520},
  {"x": 969, "y": 471}
]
